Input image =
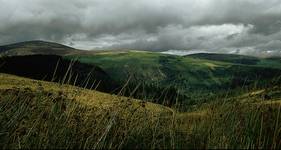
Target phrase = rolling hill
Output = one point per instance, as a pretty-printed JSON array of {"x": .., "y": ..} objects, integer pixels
[
  {"x": 37, "y": 47},
  {"x": 231, "y": 58},
  {"x": 149, "y": 75},
  {"x": 240, "y": 59},
  {"x": 186, "y": 74},
  {"x": 45, "y": 48}
]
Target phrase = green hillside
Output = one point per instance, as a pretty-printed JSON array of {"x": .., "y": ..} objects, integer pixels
[
  {"x": 240, "y": 59},
  {"x": 187, "y": 74},
  {"x": 152, "y": 74}
]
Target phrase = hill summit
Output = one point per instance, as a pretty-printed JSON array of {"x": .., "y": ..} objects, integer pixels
[{"x": 37, "y": 47}]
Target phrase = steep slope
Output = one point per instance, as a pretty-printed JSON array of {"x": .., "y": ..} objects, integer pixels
[
  {"x": 55, "y": 68},
  {"x": 37, "y": 47},
  {"x": 45, "y": 115},
  {"x": 185, "y": 73},
  {"x": 84, "y": 96}
]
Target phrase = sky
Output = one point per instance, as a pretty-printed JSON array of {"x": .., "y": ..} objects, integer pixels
[{"x": 250, "y": 27}]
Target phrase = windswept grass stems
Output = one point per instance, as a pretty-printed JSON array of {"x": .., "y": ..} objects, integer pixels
[{"x": 39, "y": 118}]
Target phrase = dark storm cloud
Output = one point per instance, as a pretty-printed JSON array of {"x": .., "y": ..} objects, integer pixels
[{"x": 245, "y": 26}]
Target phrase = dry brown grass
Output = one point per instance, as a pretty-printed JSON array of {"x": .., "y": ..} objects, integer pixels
[{"x": 37, "y": 114}]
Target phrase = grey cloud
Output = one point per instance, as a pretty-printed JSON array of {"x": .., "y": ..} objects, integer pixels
[
  {"x": 212, "y": 25},
  {"x": 271, "y": 45}
]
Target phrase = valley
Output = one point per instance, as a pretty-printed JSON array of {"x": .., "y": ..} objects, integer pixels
[{"x": 55, "y": 96}]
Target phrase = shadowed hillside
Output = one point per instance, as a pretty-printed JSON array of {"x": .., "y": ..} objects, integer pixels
[{"x": 55, "y": 68}]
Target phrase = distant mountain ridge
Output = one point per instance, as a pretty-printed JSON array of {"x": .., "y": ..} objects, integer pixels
[
  {"x": 231, "y": 58},
  {"x": 37, "y": 47},
  {"x": 38, "y": 43}
]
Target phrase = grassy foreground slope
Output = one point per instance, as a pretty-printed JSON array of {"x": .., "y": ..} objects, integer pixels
[
  {"x": 81, "y": 95},
  {"x": 37, "y": 114}
]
